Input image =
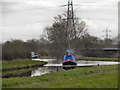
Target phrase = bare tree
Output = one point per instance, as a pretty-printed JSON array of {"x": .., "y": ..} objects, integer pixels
[{"x": 58, "y": 34}]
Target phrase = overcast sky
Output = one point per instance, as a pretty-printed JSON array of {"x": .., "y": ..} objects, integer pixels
[{"x": 23, "y": 19}]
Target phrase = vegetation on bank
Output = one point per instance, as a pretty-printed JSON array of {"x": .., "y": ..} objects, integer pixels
[
  {"x": 47, "y": 58},
  {"x": 89, "y": 77},
  {"x": 18, "y": 72},
  {"x": 16, "y": 64},
  {"x": 98, "y": 59}
]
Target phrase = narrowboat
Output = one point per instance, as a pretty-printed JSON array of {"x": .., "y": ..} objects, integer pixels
[{"x": 69, "y": 59}]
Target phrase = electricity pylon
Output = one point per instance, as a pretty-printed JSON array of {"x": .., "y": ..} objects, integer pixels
[
  {"x": 70, "y": 23},
  {"x": 107, "y": 40},
  {"x": 107, "y": 34}
]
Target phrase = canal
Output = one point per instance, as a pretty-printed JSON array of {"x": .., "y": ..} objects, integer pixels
[{"x": 52, "y": 66}]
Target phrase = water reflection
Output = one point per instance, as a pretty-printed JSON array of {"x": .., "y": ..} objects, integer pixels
[
  {"x": 44, "y": 70},
  {"x": 68, "y": 67},
  {"x": 39, "y": 71}
]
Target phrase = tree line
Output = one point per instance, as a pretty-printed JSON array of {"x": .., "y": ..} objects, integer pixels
[{"x": 54, "y": 41}]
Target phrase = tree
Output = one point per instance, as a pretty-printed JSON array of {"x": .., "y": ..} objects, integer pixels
[
  {"x": 58, "y": 34},
  {"x": 17, "y": 49}
]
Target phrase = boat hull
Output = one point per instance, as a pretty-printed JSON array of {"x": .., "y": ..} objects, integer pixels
[{"x": 69, "y": 62}]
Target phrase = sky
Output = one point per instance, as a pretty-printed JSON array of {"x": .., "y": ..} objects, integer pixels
[{"x": 26, "y": 19}]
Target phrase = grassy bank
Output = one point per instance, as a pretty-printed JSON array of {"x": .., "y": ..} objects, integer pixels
[
  {"x": 16, "y": 72},
  {"x": 87, "y": 77},
  {"x": 47, "y": 57},
  {"x": 98, "y": 59},
  {"x": 17, "y": 64}
]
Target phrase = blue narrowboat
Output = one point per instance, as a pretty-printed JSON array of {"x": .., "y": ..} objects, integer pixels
[{"x": 69, "y": 59}]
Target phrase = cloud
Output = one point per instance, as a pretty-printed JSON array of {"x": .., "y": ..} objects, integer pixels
[{"x": 31, "y": 17}]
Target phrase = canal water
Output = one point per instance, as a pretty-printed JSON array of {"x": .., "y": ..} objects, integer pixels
[{"x": 52, "y": 66}]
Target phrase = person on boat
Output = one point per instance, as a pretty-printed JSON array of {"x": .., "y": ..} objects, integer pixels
[
  {"x": 69, "y": 52},
  {"x": 73, "y": 54},
  {"x": 66, "y": 53}
]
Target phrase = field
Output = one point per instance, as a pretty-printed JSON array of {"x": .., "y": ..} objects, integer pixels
[{"x": 87, "y": 77}]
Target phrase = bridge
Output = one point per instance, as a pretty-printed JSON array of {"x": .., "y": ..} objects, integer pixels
[
  {"x": 104, "y": 49},
  {"x": 111, "y": 49}
]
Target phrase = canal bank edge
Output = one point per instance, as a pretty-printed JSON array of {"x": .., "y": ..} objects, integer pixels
[{"x": 27, "y": 66}]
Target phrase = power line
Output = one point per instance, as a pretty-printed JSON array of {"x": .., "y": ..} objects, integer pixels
[
  {"x": 61, "y": 3},
  {"x": 19, "y": 34},
  {"x": 100, "y": 18},
  {"x": 28, "y": 9},
  {"x": 44, "y": 21},
  {"x": 78, "y": 4},
  {"x": 30, "y": 23}
]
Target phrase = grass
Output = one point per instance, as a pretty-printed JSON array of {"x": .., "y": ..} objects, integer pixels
[
  {"x": 15, "y": 64},
  {"x": 87, "y": 77},
  {"x": 98, "y": 59}
]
